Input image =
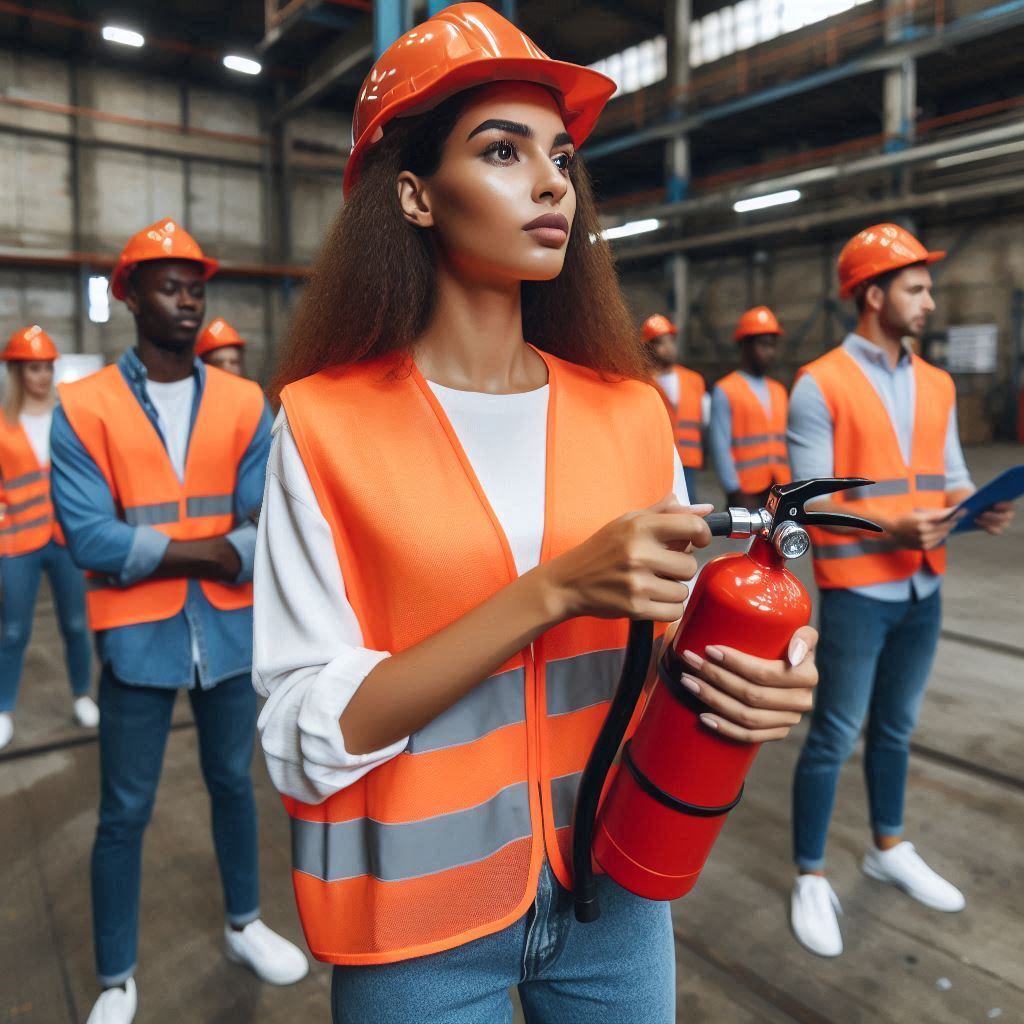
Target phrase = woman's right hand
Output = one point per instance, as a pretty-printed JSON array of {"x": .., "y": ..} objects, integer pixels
[{"x": 633, "y": 567}]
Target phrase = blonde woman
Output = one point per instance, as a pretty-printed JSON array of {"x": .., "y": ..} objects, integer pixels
[{"x": 30, "y": 537}]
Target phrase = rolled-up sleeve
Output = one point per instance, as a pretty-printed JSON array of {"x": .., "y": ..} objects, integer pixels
[
  {"x": 308, "y": 653},
  {"x": 96, "y": 537}
]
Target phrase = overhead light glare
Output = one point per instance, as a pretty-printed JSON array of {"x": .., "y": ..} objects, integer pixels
[
  {"x": 634, "y": 227},
  {"x": 124, "y": 36},
  {"x": 980, "y": 154},
  {"x": 791, "y": 195},
  {"x": 243, "y": 64}
]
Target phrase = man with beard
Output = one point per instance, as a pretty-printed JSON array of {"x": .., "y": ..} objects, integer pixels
[
  {"x": 158, "y": 468},
  {"x": 871, "y": 408}
]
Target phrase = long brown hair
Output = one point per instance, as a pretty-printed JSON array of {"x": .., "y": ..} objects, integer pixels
[
  {"x": 14, "y": 392},
  {"x": 372, "y": 288}
]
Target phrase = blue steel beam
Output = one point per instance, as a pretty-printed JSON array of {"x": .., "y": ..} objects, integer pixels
[{"x": 972, "y": 26}]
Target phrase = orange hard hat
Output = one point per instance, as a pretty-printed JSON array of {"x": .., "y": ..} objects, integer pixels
[
  {"x": 164, "y": 240},
  {"x": 459, "y": 47},
  {"x": 29, "y": 343},
  {"x": 217, "y": 334},
  {"x": 759, "y": 320},
  {"x": 657, "y": 325},
  {"x": 876, "y": 251}
]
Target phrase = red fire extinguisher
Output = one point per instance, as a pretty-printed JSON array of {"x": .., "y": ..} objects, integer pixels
[{"x": 677, "y": 780}]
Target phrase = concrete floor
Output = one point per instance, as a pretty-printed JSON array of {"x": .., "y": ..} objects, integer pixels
[{"x": 737, "y": 961}]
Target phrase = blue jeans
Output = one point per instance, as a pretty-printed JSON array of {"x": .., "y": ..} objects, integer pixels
[
  {"x": 874, "y": 659},
  {"x": 690, "y": 476},
  {"x": 134, "y": 721},
  {"x": 19, "y": 577},
  {"x": 619, "y": 969}
]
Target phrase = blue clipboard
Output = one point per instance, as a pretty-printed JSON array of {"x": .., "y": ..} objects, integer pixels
[{"x": 1008, "y": 486}]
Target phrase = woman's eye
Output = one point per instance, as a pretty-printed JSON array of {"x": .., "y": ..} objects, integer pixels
[
  {"x": 503, "y": 152},
  {"x": 563, "y": 161}
]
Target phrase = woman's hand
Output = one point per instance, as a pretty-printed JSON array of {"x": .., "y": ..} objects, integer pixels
[
  {"x": 631, "y": 568},
  {"x": 752, "y": 699}
]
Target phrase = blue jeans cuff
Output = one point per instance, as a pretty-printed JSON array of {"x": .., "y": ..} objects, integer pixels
[
  {"x": 241, "y": 920},
  {"x": 811, "y": 865},
  {"x": 887, "y": 830},
  {"x": 113, "y": 980}
]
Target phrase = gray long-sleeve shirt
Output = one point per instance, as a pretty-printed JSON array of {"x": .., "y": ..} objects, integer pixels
[
  {"x": 720, "y": 429},
  {"x": 812, "y": 450}
]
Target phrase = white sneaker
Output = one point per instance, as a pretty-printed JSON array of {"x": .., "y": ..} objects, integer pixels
[
  {"x": 903, "y": 867},
  {"x": 270, "y": 956},
  {"x": 115, "y": 1005},
  {"x": 6, "y": 729},
  {"x": 812, "y": 913},
  {"x": 86, "y": 713}
]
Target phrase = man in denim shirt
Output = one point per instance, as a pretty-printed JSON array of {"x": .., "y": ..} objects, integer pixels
[{"x": 169, "y": 613}]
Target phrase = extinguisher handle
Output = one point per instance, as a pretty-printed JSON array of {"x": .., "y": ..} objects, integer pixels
[
  {"x": 719, "y": 523},
  {"x": 609, "y": 739}
]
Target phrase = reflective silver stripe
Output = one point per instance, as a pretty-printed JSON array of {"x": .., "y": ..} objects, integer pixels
[
  {"x": 20, "y": 506},
  {"x": 150, "y": 515},
  {"x": 930, "y": 481},
  {"x": 210, "y": 505},
  {"x": 744, "y": 442},
  {"x": 688, "y": 424},
  {"x": 879, "y": 489},
  {"x": 392, "y": 853},
  {"x": 855, "y": 549},
  {"x": 563, "y": 797},
  {"x": 495, "y": 703},
  {"x": 28, "y": 478},
  {"x": 6, "y": 527},
  {"x": 582, "y": 681},
  {"x": 764, "y": 460},
  {"x": 686, "y": 443}
]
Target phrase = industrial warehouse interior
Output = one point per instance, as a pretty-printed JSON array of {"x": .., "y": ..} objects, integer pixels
[{"x": 810, "y": 205}]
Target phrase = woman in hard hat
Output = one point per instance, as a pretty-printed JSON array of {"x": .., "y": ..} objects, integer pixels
[
  {"x": 220, "y": 345},
  {"x": 471, "y": 490},
  {"x": 30, "y": 538}
]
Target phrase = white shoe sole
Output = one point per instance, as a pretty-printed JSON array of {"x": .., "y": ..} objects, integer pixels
[{"x": 877, "y": 875}]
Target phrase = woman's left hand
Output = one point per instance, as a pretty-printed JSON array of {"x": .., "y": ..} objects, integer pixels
[{"x": 752, "y": 699}]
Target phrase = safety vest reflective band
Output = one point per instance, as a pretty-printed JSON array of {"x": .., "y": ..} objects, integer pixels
[
  {"x": 27, "y": 524},
  {"x": 758, "y": 439},
  {"x": 124, "y": 444},
  {"x": 444, "y": 843},
  {"x": 687, "y": 416},
  {"x": 866, "y": 444}
]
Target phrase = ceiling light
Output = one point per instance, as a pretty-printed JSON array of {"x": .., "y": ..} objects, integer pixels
[
  {"x": 124, "y": 36},
  {"x": 634, "y": 227},
  {"x": 980, "y": 154},
  {"x": 243, "y": 64},
  {"x": 791, "y": 195}
]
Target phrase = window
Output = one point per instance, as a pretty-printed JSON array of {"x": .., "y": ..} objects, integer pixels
[{"x": 99, "y": 299}]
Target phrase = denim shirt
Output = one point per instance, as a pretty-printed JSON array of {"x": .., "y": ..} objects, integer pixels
[{"x": 199, "y": 643}]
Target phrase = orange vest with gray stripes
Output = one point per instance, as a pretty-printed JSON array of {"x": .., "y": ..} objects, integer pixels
[
  {"x": 124, "y": 444},
  {"x": 686, "y": 416},
  {"x": 758, "y": 439},
  {"x": 443, "y": 844},
  {"x": 866, "y": 445},
  {"x": 27, "y": 523}
]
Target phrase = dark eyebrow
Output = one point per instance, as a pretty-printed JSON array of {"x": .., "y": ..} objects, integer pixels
[
  {"x": 512, "y": 127},
  {"x": 562, "y": 139}
]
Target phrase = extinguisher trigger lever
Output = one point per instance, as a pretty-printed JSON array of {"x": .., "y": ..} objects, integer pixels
[
  {"x": 841, "y": 519},
  {"x": 789, "y": 501}
]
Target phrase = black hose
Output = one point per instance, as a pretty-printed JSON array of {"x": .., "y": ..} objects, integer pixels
[
  {"x": 609, "y": 739},
  {"x": 719, "y": 523}
]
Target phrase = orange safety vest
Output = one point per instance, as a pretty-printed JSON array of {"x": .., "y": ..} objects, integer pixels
[
  {"x": 124, "y": 444},
  {"x": 758, "y": 440},
  {"x": 28, "y": 523},
  {"x": 687, "y": 416},
  {"x": 866, "y": 445},
  {"x": 444, "y": 843}
]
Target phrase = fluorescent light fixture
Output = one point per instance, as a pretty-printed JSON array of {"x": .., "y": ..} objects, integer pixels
[
  {"x": 791, "y": 195},
  {"x": 99, "y": 299},
  {"x": 980, "y": 154},
  {"x": 634, "y": 227},
  {"x": 243, "y": 64},
  {"x": 124, "y": 36}
]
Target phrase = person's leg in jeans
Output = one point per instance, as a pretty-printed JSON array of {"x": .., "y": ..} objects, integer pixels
[
  {"x": 690, "y": 476},
  {"x": 19, "y": 578},
  {"x": 67, "y": 582},
  {"x": 900, "y": 682},
  {"x": 226, "y": 723},
  {"x": 134, "y": 721},
  {"x": 853, "y": 634}
]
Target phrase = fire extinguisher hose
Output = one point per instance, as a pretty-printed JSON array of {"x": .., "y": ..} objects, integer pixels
[{"x": 631, "y": 685}]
